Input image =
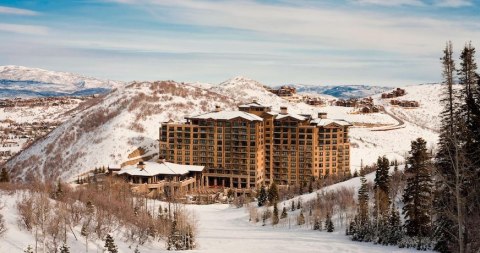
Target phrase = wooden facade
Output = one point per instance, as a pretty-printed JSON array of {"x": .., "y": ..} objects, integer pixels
[{"x": 246, "y": 152}]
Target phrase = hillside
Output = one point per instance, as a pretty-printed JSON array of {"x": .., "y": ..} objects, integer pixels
[
  {"x": 106, "y": 130},
  {"x": 341, "y": 91},
  {"x": 18, "y": 81}
]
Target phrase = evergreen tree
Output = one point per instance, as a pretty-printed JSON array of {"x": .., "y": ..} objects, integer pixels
[
  {"x": 310, "y": 186},
  {"x": 299, "y": 203},
  {"x": 329, "y": 224},
  {"x": 262, "y": 196},
  {"x": 4, "y": 176},
  {"x": 64, "y": 249},
  {"x": 382, "y": 187},
  {"x": 284, "y": 213},
  {"x": 467, "y": 191},
  {"x": 355, "y": 173},
  {"x": 275, "y": 218},
  {"x": 272, "y": 193},
  {"x": 418, "y": 192},
  {"x": 447, "y": 156},
  {"x": 301, "y": 218},
  {"x": 110, "y": 246},
  {"x": 363, "y": 199},
  {"x": 293, "y": 205},
  {"x": 394, "y": 230}
]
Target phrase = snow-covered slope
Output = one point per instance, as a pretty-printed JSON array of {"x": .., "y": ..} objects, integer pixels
[
  {"x": 427, "y": 115},
  {"x": 18, "y": 81},
  {"x": 342, "y": 91},
  {"x": 104, "y": 131},
  {"x": 128, "y": 118}
]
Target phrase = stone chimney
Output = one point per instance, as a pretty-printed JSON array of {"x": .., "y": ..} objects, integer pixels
[
  {"x": 283, "y": 110},
  {"x": 322, "y": 115},
  {"x": 217, "y": 108},
  {"x": 141, "y": 165}
]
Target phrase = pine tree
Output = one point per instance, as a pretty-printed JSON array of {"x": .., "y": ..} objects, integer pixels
[
  {"x": 363, "y": 199},
  {"x": 382, "y": 187},
  {"x": 355, "y": 173},
  {"x": 272, "y": 193},
  {"x": 64, "y": 249},
  {"x": 284, "y": 213},
  {"x": 275, "y": 218},
  {"x": 110, "y": 246},
  {"x": 418, "y": 192},
  {"x": 262, "y": 196},
  {"x": 329, "y": 224},
  {"x": 382, "y": 197},
  {"x": 394, "y": 229},
  {"x": 293, "y": 205},
  {"x": 310, "y": 186},
  {"x": 447, "y": 157},
  {"x": 301, "y": 218},
  {"x": 467, "y": 178},
  {"x": 4, "y": 176},
  {"x": 299, "y": 203}
]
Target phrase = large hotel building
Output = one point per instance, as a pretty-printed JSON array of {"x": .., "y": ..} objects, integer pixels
[{"x": 255, "y": 146}]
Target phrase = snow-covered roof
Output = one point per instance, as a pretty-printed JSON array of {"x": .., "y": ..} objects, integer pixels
[
  {"x": 165, "y": 168},
  {"x": 252, "y": 104},
  {"x": 326, "y": 122},
  {"x": 228, "y": 115},
  {"x": 292, "y": 115}
]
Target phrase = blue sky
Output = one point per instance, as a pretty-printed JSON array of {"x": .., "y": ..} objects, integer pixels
[{"x": 378, "y": 42}]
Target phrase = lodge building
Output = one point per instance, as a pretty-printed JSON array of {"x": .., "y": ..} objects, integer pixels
[{"x": 255, "y": 146}]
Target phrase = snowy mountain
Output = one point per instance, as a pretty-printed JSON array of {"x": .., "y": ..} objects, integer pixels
[
  {"x": 342, "y": 91},
  {"x": 106, "y": 130},
  {"x": 18, "y": 81}
]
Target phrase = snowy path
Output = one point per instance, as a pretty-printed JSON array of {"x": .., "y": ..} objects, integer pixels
[{"x": 226, "y": 229}]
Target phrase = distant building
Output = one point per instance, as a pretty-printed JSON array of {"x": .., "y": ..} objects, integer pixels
[
  {"x": 398, "y": 92},
  {"x": 255, "y": 146}
]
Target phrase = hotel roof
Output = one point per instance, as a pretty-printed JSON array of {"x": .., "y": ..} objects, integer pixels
[
  {"x": 253, "y": 104},
  {"x": 163, "y": 168},
  {"x": 326, "y": 122},
  {"x": 228, "y": 115}
]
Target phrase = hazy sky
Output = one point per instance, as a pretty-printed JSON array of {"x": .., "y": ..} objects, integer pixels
[{"x": 378, "y": 42}]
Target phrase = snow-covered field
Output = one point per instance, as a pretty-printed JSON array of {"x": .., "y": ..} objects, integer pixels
[{"x": 221, "y": 228}]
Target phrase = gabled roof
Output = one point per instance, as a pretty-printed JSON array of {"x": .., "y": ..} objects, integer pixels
[
  {"x": 291, "y": 115},
  {"x": 228, "y": 115},
  {"x": 253, "y": 104},
  {"x": 326, "y": 122},
  {"x": 163, "y": 168}
]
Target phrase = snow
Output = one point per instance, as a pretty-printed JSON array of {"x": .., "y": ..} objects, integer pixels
[
  {"x": 164, "y": 168},
  {"x": 227, "y": 115},
  {"x": 221, "y": 228},
  {"x": 111, "y": 142},
  {"x": 31, "y": 82}
]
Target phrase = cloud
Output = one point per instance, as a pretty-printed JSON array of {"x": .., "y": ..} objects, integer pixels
[
  {"x": 391, "y": 2},
  {"x": 17, "y": 11},
  {"x": 353, "y": 29},
  {"x": 453, "y": 3},
  {"x": 24, "y": 29}
]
